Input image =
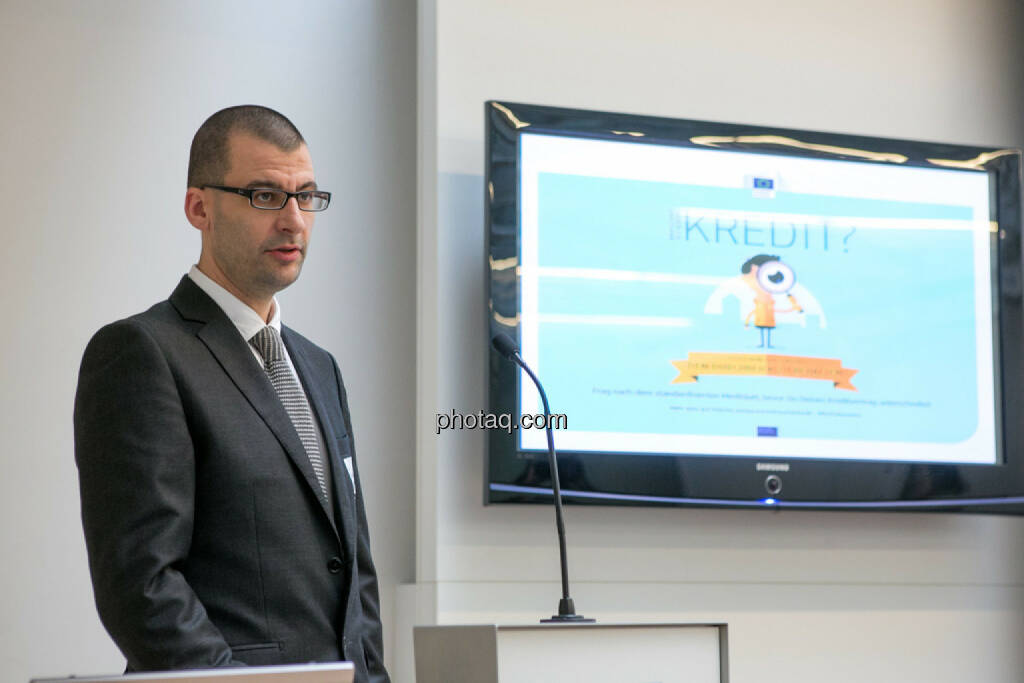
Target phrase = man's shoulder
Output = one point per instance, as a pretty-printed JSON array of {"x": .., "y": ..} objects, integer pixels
[
  {"x": 159, "y": 329},
  {"x": 179, "y": 314},
  {"x": 159, "y": 320}
]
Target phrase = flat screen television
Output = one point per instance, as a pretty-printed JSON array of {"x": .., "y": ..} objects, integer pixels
[{"x": 737, "y": 315}]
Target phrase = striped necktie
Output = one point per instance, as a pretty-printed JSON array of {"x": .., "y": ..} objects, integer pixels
[{"x": 268, "y": 342}]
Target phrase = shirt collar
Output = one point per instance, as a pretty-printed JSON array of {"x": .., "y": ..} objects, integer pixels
[{"x": 246, "y": 321}]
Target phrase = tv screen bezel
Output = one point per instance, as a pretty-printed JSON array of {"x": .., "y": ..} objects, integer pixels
[{"x": 516, "y": 476}]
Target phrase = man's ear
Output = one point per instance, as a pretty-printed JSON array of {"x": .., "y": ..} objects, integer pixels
[{"x": 196, "y": 209}]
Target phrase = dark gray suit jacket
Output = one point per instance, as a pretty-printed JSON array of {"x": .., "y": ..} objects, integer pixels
[{"x": 208, "y": 545}]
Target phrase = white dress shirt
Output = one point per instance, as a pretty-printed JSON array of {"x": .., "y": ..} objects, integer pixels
[{"x": 246, "y": 321}]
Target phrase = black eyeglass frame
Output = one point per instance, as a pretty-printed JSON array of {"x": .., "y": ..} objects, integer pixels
[{"x": 249, "y": 191}]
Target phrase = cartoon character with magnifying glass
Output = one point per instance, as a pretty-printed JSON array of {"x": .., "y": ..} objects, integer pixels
[{"x": 768, "y": 277}]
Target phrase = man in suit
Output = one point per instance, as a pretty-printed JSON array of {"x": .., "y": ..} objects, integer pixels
[{"x": 221, "y": 501}]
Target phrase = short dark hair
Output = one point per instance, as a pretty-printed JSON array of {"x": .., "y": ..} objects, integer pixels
[
  {"x": 758, "y": 261},
  {"x": 208, "y": 158}
]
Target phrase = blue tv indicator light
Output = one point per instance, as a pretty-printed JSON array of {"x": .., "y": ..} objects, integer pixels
[
  {"x": 769, "y": 501},
  {"x": 761, "y": 186}
]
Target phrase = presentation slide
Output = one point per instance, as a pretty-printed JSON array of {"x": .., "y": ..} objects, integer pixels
[{"x": 701, "y": 301}]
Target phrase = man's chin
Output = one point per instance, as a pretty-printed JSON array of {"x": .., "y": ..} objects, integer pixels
[{"x": 284, "y": 277}]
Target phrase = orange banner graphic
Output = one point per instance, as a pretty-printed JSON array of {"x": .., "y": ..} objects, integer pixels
[{"x": 763, "y": 364}]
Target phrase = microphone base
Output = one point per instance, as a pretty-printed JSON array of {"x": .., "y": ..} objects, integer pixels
[
  {"x": 567, "y": 614},
  {"x": 568, "y": 619}
]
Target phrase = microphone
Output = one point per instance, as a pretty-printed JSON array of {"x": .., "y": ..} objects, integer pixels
[{"x": 504, "y": 345}]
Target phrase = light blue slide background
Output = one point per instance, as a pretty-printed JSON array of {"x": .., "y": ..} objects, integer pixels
[{"x": 899, "y": 305}]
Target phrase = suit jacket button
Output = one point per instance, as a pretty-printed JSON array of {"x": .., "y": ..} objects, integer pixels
[{"x": 334, "y": 565}]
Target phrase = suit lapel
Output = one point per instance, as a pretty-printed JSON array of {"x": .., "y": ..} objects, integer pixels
[
  {"x": 343, "y": 486},
  {"x": 232, "y": 352}
]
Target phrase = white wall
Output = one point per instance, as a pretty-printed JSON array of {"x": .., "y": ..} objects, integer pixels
[
  {"x": 809, "y": 596},
  {"x": 100, "y": 100}
]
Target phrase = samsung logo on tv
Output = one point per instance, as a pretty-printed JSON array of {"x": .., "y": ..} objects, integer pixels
[{"x": 773, "y": 467}]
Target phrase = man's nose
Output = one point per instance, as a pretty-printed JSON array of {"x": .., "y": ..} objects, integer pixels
[{"x": 290, "y": 217}]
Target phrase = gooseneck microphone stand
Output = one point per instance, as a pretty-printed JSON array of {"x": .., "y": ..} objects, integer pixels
[{"x": 504, "y": 345}]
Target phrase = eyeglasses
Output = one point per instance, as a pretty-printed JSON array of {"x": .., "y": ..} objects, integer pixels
[{"x": 273, "y": 200}]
